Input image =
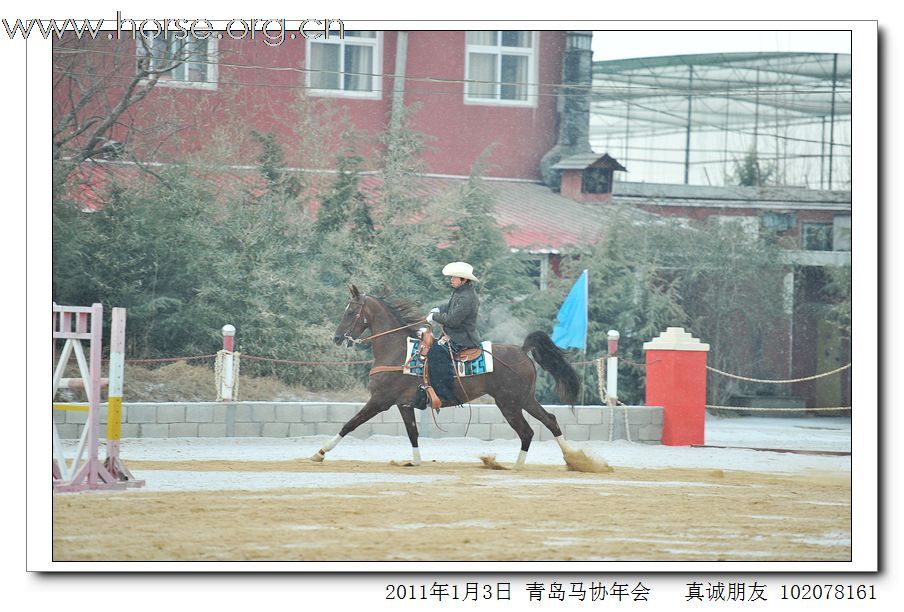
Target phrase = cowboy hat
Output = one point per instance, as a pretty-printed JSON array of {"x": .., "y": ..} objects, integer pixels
[{"x": 461, "y": 270}]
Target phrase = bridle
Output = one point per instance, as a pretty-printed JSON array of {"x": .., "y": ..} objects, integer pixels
[
  {"x": 350, "y": 340},
  {"x": 348, "y": 337}
]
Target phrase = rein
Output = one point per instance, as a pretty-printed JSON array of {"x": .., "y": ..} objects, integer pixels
[{"x": 369, "y": 338}]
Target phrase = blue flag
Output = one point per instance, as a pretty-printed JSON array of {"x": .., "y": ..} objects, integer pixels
[{"x": 571, "y": 329}]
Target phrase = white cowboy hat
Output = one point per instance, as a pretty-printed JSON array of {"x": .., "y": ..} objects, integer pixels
[{"x": 461, "y": 270}]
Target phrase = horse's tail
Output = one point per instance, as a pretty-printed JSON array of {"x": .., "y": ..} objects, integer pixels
[{"x": 552, "y": 359}]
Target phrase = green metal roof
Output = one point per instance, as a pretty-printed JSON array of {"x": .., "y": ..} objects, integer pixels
[
  {"x": 794, "y": 107},
  {"x": 730, "y": 89}
]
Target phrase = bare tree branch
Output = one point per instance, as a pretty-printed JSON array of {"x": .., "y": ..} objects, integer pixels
[{"x": 89, "y": 80}]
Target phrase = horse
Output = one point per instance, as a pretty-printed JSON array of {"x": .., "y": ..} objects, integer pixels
[{"x": 512, "y": 383}]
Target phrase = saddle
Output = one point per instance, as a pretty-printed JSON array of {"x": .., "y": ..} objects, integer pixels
[
  {"x": 424, "y": 346},
  {"x": 468, "y": 354},
  {"x": 464, "y": 355},
  {"x": 467, "y": 362}
]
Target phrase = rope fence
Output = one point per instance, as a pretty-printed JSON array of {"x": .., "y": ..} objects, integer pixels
[
  {"x": 599, "y": 363},
  {"x": 247, "y": 357},
  {"x": 171, "y": 359},
  {"x": 601, "y": 382},
  {"x": 778, "y": 382},
  {"x": 761, "y": 409},
  {"x": 305, "y": 363},
  {"x": 610, "y": 401}
]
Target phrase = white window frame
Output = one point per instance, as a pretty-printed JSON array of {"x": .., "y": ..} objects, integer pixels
[
  {"x": 817, "y": 225},
  {"x": 499, "y": 51},
  {"x": 213, "y": 72},
  {"x": 542, "y": 259},
  {"x": 377, "y": 68},
  {"x": 841, "y": 233}
]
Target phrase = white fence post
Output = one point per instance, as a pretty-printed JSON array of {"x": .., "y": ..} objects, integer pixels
[
  {"x": 227, "y": 378},
  {"x": 612, "y": 366}
]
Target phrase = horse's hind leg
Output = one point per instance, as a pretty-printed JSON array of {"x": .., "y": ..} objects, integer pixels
[
  {"x": 536, "y": 410},
  {"x": 515, "y": 418},
  {"x": 407, "y": 412},
  {"x": 371, "y": 409}
]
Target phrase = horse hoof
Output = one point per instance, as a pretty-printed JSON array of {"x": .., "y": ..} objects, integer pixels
[{"x": 318, "y": 457}]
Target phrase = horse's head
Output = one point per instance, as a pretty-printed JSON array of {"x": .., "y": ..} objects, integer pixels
[{"x": 355, "y": 319}]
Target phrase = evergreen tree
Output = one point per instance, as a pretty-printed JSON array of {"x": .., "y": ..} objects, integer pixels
[
  {"x": 271, "y": 164},
  {"x": 344, "y": 203},
  {"x": 146, "y": 250},
  {"x": 717, "y": 282},
  {"x": 750, "y": 172}
]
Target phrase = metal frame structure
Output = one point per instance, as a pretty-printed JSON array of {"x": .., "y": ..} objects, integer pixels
[
  {"x": 84, "y": 470},
  {"x": 693, "y": 118}
]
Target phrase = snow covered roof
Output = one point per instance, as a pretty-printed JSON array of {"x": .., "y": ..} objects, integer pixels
[
  {"x": 531, "y": 216},
  {"x": 731, "y": 196}
]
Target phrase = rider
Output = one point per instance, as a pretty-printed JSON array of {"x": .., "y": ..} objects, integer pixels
[
  {"x": 459, "y": 316},
  {"x": 459, "y": 320}
]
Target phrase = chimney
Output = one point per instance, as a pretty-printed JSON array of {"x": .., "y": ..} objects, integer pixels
[{"x": 574, "y": 105}]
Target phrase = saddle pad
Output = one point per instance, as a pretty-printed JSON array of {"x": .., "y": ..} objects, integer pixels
[
  {"x": 413, "y": 364},
  {"x": 482, "y": 365}
]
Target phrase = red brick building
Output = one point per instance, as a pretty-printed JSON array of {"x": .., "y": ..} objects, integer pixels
[
  {"x": 474, "y": 92},
  {"x": 517, "y": 100}
]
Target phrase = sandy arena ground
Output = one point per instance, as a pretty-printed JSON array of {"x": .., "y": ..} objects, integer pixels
[{"x": 380, "y": 510}]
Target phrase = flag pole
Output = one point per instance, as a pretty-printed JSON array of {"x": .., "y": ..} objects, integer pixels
[
  {"x": 571, "y": 322},
  {"x": 586, "y": 327}
]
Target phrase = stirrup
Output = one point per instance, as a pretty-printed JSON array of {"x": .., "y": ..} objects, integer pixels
[
  {"x": 435, "y": 402},
  {"x": 420, "y": 398}
]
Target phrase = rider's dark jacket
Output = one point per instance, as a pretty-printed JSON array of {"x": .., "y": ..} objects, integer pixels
[{"x": 459, "y": 316}]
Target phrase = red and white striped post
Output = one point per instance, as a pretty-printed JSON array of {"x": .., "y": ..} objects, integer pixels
[
  {"x": 227, "y": 382},
  {"x": 612, "y": 366}
]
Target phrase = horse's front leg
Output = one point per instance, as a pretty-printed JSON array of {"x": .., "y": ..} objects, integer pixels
[
  {"x": 407, "y": 412},
  {"x": 372, "y": 408}
]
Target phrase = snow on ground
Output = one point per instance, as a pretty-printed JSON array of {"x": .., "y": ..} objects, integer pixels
[{"x": 744, "y": 433}]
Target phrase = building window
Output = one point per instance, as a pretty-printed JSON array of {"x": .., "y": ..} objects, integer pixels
[
  {"x": 188, "y": 62},
  {"x": 596, "y": 180},
  {"x": 347, "y": 66},
  {"x": 816, "y": 236},
  {"x": 500, "y": 67},
  {"x": 841, "y": 233},
  {"x": 537, "y": 268},
  {"x": 777, "y": 221}
]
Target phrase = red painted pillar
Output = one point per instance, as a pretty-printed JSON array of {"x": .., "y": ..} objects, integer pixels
[{"x": 676, "y": 380}]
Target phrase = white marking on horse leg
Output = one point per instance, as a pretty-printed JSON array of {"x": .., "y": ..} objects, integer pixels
[
  {"x": 415, "y": 455},
  {"x": 562, "y": 444},
  {"x": 319, "y": 455},
  {"x": 332, "y": 443},
  {"x": 522, "y": 455}
]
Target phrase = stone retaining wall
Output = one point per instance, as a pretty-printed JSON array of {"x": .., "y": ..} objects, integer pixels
[{"x": 294, "y": 419}]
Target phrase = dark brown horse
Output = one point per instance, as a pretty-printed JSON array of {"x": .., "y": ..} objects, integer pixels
[{"x": 511, "y": 384}]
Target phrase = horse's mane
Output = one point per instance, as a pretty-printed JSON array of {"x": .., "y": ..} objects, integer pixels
[{"x": 406, "y": 311}]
